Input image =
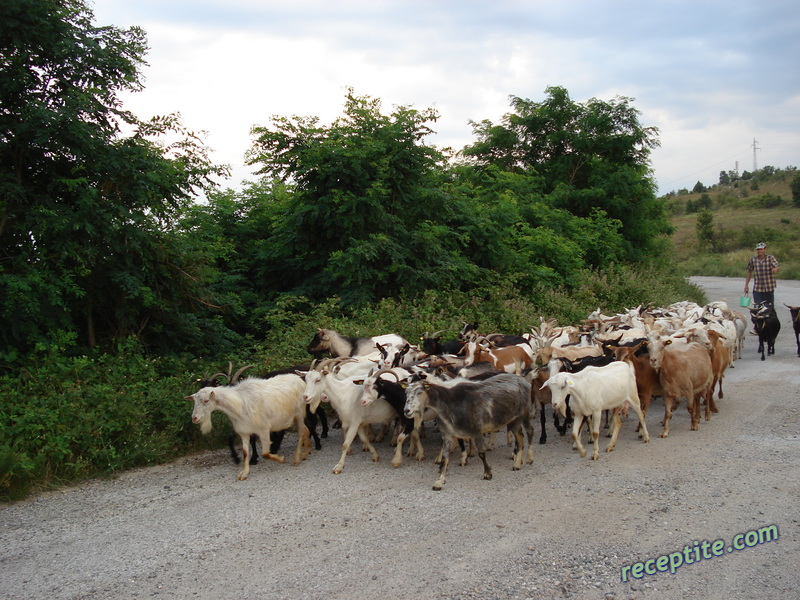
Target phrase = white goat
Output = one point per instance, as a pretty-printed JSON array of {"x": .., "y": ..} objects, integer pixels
[
  {"x": 257, "y": 406},
  {"x": 345, "y": 397},
  {"x": 593, "y": 390}
]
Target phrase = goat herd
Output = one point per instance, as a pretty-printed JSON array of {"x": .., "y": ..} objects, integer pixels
[{"x": 477, "y": 385}]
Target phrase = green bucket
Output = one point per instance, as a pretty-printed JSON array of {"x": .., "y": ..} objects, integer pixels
[{"x": 744, "y": 301}]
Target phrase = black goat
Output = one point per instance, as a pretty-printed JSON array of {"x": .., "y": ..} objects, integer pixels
[
  {"x": 434, "y": 346},
  {"x": 795, "y": 312},
  {"x": 767, "y": 325}
]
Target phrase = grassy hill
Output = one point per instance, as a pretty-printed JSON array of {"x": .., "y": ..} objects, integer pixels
[{"x": 743, "y": 213}]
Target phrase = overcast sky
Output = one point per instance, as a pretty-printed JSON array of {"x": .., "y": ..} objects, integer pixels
[{"x": 712, "y": 76}]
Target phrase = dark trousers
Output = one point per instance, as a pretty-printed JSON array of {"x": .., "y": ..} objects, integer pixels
[{"x": 764, "y": 297}]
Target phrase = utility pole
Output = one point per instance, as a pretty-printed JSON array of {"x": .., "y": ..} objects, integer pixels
[{"x": 755, "y": 148}]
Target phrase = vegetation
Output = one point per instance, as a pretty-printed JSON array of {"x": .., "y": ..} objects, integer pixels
[
  {"x": 118, "y": 289},
  {"x": 716, "y": 230}
]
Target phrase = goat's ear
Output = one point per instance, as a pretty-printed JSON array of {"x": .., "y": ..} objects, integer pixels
[
  {"x": 301, "y": 374},
  {"x": 189, "y": 398},
  {"x": 570, "y": 381},
  {"x": 668, "y": 342},
  {"x": 358, "y": 381}
]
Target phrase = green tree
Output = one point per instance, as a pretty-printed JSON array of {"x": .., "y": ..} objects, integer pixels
[
  {"x": 86, "y": 213},
  {"x": 795, "y": 187},
  {"x": 366, "y": 217},
  {"x": 591, "y": 156},
  {"x": 705, "y": 230}
]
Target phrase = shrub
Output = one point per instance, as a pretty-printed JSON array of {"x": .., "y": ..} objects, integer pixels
[{"x": 66, "y": 418}]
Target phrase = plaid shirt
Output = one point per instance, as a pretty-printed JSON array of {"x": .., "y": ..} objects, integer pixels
[{"x": 761, "y": 270}]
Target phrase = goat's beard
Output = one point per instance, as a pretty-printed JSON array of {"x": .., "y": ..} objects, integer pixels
[{"x": 205, "y": 425}]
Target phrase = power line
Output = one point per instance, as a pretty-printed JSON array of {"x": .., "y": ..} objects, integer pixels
[{"x": 755, "y": 148}]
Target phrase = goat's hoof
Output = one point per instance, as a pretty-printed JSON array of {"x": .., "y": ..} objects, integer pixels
[
  {"x": 487, "y": 476},
  {"x": 336, "y": 471},
  {"x": 376, "y": 459},
  {"x": 437, "y": 488}
]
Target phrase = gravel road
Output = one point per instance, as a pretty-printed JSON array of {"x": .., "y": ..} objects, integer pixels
[{"x": 564, "y": 527}]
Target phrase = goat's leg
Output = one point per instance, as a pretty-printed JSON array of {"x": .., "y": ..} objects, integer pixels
[
  {"x": 447, "y": 444},
  {"x": 368, "y": 445},
  {"x": 487, "y": 470},
  {"x": 233, "y": 449},
  {"x": 543, "y": 423},
  {"x": 519, "y": 446},
  {"x": 642, "y": 429},
  {"x": 323, "y": 419},
  {"x": 693, "y": 400},
  {"x": 420, "y": 453},
  {"x": 350, "y": 435},
  {"x": 303, "y": 442},
  {"x": 528, "y": 425},
  {"x": 275, "y": 441},
  {"x": 311, "y": 422},
  {"x": 667, "y": 416},
  {"x": 576, "y": 436},
  {"x": 267, "y": 451},
  {"x": 594, "y": 427},
  {"x": 397, "y": 458},
  {"x": 245, "y": 458},
  {"x": 617, "y": 422},
  {"x": 408, "y": 430}
]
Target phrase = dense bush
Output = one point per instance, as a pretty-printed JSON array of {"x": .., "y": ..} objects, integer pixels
[{"x": 65, "y": 418}]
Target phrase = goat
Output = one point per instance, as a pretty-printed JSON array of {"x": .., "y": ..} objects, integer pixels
[
  {"x": 469, "y": 409},
  {"x": 327, "y": 341},
  {"x": 256, "y": 406},
  {"x": 767, "y": 325},
  {"x": 794, "y": 311},
  {"x": 275, "y": 437},
  {"x": 345, "y": 397},
  {"x": 510, "y": 359},
  {"x": 433, "y": 344},
  {"x": 684, "y": 371},
  {"x": 593, "y": 390},
  {"x": 231, "y": 379},
  {"x": 394, "y": 392}
]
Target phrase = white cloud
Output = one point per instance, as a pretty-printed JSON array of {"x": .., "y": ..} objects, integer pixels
[{"x": 711, "y": 76}]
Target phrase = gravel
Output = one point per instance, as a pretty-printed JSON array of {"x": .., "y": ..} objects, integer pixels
[{"x": 563, "y": 527}]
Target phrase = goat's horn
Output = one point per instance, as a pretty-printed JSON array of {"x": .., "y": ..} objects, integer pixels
[
  {"x": 433, "y": 335},
  {"x": 382, "y": 371},
  {"x": 230, "y": 369},
  {"x": 215, "y": 375},
  {"x": 235, "y": 378}
]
